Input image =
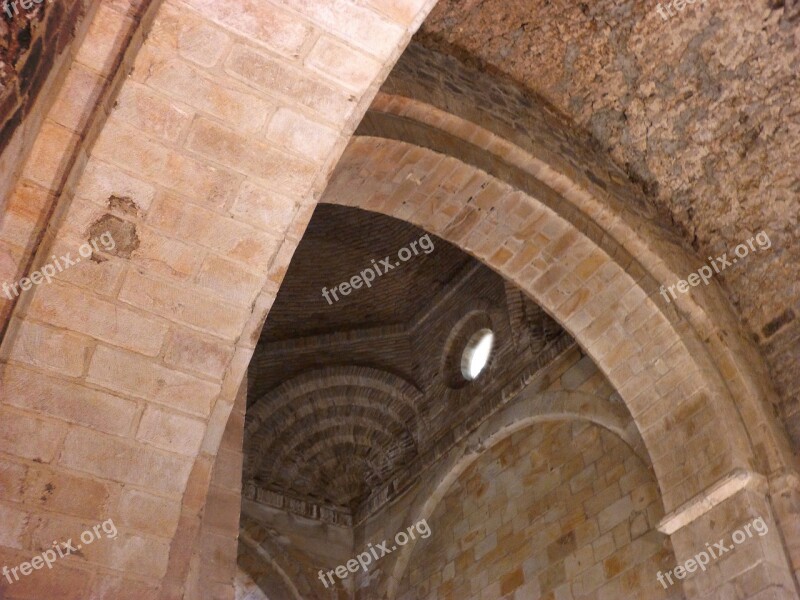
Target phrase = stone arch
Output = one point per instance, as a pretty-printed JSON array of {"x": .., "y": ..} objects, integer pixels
[
  {"x": 262, "y": 550},
  {"x": 595, "y": 262},
  {"x": 141, "y": 318},
  {"x": 587, "y": 281},
  {"x": 174, "y": 90},
  {"x": 528, "y": 409}
]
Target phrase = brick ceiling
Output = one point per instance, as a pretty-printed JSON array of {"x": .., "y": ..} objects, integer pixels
[
  {"x": 348, "y": 402},
  {"x": 339, "y": 244}
]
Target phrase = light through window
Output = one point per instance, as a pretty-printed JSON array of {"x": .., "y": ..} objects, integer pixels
[{"x": 476, "y": 354}]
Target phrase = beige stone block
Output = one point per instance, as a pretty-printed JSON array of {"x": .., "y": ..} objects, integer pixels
[
  {"x": 358, "y": 25},
  {"x": 145, "y": 512},
  {"x": 222, "y": 510},
  {"x": 71, "y": 308},
  {"x": 72, "y": 402},
  {"x": 161, "y": 255},
  {"x": 14, "y": 521},
  {"x": 63, "y": 581},
  {"x": 229, "y": 280},
  {"x": 186, "y": 305},
  {"x": 23, "y": 214},
  {"x": 108, "y": 33},
  {"x": 124, "y": 461},
  {"x": 12, "y": 478},
  {"x": 190, "y": 351},
  {"x": 264, "y": 208},
  {"x": 227, "y": 473},
  {"x": 171, "y": 431},
  {"x": 49, "y": 158},
  {"x": 27, "y": 437},
  {"x": 194, "y": 37},
  {"x": 404, "y": 12},
  {"x": 292, "y": 86},
  {"x": 347, "y": 66},
  {"x": 152, "y": 113},
  {"x": 11, "y": 258},
  {"x": 67, "y": 493},
  {"x": 301, "y": 135},
  {"x": 218, "y": 554},
  {"x": 129, "y": 150},
  {"x": 215, "y": 96},
  {"x": 289, "y": 174},
  {"x": 127, "y": 551},
  {"x": 279, "y": 30},
  {"x": 99, "y": 275},
  {"x": 196, "y": 489},
  {"x": 615, "y": 513},
  {"x": 135, "y": 375},
  {"x": 217, "y": 423},
  {"x": 78, "y": 98},
  {"x": 226, "y": 236},
  {"x": 51, "y": 349},
  {"x": 102, "y": 182}
]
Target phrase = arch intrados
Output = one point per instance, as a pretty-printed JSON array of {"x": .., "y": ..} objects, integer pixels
[{"x": 310, "y": 445}]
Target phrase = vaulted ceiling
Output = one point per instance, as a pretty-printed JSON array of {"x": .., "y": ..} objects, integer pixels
[{"x": 349, "y": 401}]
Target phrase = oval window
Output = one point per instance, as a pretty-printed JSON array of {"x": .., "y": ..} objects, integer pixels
[{"x": 476, "y": 354}]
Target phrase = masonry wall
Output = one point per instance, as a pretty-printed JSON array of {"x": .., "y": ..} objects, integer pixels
[
  {"x": 561, "y": 508},
  {"x": 553, "y": 481}
]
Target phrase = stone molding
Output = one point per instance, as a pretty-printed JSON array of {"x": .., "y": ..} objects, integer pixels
[{"x": 727, "y": 487}]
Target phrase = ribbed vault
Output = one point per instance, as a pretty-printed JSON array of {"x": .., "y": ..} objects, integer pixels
[{"x": 331, "y": 435}]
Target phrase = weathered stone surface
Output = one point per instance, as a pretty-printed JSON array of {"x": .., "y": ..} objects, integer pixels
[{"x": 701, "y": 109}]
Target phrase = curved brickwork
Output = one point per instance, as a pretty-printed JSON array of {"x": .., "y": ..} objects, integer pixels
[
  {"x": 663, "y": 372},
  {"x": 520, "y": 133},
  {"x": 194, "y": 276},
  {"x": 211, "y": 128}
]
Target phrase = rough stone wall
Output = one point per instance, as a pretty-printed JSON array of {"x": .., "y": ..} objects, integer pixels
[
  {"x": 560, "y": 510},
  {"x": 29, "y": 42},
  {"x": 701, "y": 109}
]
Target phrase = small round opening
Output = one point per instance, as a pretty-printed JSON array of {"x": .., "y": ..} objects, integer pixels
[{"x": 476, "y": 354}]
